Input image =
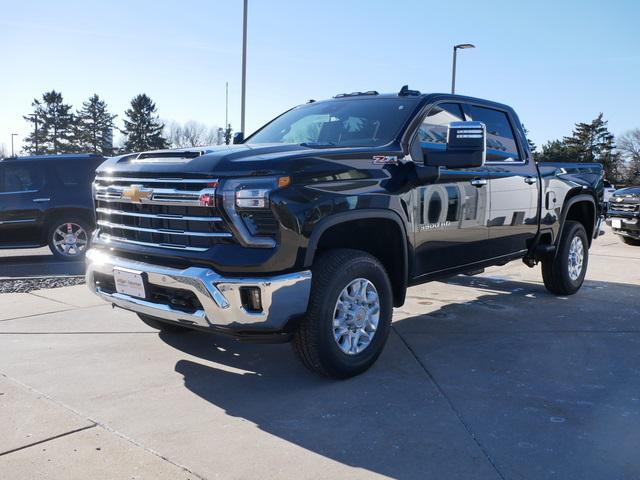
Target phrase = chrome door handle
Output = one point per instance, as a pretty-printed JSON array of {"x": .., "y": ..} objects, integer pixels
[
  {"x": 478, "y": 182},
  {"x": 530, "y": 180},
  {"x": 41, "y": 200}
]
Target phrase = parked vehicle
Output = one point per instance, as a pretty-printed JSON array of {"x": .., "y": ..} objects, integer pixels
[
  {"x": 46, "y": 200},
  {"x": 624, "y": 214},
  {"x": 609, "y": 190},
  {"x": 313, "y": 227}
]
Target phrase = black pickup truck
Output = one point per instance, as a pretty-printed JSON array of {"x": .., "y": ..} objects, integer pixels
[
  {"x": 624, "y": 214},
  {"x": 312, "y": 228}
]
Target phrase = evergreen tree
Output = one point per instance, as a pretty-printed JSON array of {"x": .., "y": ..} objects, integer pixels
[
  {"x": 142, "y": 127},
  {"x": 227, "y": 134},
  {"x": 54, "y": 126},
  {"x": 557, "y": 151},
  {"x": 94, "y": 127}
]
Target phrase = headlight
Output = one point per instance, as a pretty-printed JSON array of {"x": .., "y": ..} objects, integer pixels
[{"x": 247, "y": 194}]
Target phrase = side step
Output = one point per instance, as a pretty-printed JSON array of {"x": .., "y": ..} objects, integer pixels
[{"x": 471, "y": 273}]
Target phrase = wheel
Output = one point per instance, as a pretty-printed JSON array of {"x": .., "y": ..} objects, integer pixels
[
  {"x": 564, "y": 273},
  {"x": 69, "y": 237},
  {"x": 162, "y": 326},
  {"x": 630, "y": 241},
  {"x": 349, "y": 315}
]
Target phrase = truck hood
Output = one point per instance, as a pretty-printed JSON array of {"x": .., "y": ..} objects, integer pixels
[
  {"x": 223, "y": 160},
  {"x": 627, "y": 192}
]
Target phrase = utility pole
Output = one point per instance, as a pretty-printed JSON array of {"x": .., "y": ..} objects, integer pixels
[
  {"x": 244, "y": 64},
  {"x": 455, "y": 54},
  {"x": 226, "y": 106},
  {"x": 13, "y": 135}
]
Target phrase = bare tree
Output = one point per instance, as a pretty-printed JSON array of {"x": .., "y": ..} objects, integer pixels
[
  {"x": 3, "y": 151},
  {"x": 191, "y": 134},
  {"x": 629, "y": 147}
]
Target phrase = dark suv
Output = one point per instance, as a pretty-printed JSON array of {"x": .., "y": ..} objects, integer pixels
[{"x": 46, "y": 200}]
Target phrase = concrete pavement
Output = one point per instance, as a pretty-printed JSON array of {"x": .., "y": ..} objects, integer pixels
[{"x": 486, "y": 377}]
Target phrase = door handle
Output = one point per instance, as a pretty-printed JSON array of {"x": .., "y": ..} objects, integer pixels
[
  {"x": 478, "y": 182},
  {"x": 530, "y": 180},
  {"x": 41, "y": 200}
]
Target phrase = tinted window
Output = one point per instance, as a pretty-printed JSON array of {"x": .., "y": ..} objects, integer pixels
[
  {"x": 75, "y": 172},
  {"x": 434, "y": 126},
  {"x": 21, "y": 178},
  {"x": 362, "y": 122},
  {"x": 501, "y": 144}
]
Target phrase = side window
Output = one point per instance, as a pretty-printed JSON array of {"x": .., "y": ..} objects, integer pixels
[
  {"x": 501, "y": 143},
  {"x": 21, "y": 178},
  {"x": 433, "y": 131},
  {"x": 75, "y": 173}
]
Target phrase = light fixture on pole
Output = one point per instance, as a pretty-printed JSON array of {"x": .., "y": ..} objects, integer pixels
[
  {"x": 244, "y": 65},
  {"x": 460, "y": 46},
  {"x": 13, "y": 135}
]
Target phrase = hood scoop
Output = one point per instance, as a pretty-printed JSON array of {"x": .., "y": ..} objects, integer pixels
[{"x": 164, "y": 157}]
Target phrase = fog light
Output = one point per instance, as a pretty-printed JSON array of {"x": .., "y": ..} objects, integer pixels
[{"x": 251, "y": 299}]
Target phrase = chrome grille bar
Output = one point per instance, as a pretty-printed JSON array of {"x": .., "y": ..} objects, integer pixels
[
  {"x": 167, "y": 231},
  {"x": 109, "y": 238},
  {"x": 159, "y": 216}
]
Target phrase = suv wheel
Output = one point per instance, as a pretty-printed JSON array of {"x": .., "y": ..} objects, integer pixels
[
  {"x": 162, "y": 326},
  {"x": 564, "y": 273},
  {"x": 69, "y": 237},
  {"x": 349, "y": 315}
]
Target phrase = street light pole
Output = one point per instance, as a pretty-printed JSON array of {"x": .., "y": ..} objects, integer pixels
[
  {"x": 455, "y": 55},
  {"x": 13, "y": 135},
  {"x": 244, "y": 65}
]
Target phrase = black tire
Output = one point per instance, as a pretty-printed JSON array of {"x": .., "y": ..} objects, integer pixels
[
  {"x": 313, "y": 340},
  {"x": 630, "y": 241},
  {"x": 555, "y": 270},
  {"x": 63, "y": 223},
  {"x": 161, "y": 325}
]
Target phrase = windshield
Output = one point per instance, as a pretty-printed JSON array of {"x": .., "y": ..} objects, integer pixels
[{"x": 362, "y": 122}]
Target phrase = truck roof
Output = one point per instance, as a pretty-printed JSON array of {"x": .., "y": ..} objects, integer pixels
[{"x": 62, "y": 156}]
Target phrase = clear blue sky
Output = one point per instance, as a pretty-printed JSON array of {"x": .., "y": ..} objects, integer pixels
[{"x": 556, "y": 62}]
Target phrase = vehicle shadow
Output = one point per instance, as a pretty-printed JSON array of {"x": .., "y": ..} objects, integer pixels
[
  {"x": 33, "y": 265},
  {"x": 393, "y": 420}
]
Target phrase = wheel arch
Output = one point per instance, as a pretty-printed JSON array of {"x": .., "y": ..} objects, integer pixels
[
  {"x": 580, "y": 208},
  {"x": 378, "y": 232}
]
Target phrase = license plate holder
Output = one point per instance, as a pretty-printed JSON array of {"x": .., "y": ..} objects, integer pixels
[
  {"x": 616, "y": 223},
  {"x": 129, "y": 282}
]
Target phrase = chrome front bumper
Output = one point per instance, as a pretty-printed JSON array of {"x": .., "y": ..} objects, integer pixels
[{"x": 283, "y": 296}]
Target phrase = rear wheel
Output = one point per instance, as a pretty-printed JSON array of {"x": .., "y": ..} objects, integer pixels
[
  {"x": 349, "y": 315},
  {"x": 630, "y": 241},
  {"x": 564, "y": 273},
  {"x": 162, "y": 326},
  {"x": 69, "y": 237}
]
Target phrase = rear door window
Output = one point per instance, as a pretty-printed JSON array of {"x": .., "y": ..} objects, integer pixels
[
  {"x": 501, "y": 143},
  {"x": 73, "y": 173}
]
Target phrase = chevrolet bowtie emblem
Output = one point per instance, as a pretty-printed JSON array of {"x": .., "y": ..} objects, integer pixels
[{"x": 137, "y": 194}]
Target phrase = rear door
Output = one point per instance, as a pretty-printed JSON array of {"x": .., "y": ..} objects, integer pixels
[
  {"x": 513, "y": 183},
  {"x": 450, "y": 216},
  {"x": 24, "y": 197}
]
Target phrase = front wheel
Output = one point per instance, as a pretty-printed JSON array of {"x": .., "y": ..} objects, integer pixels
[
  {"x": 564, "y": 273},
  {"x": 69, "y": 237},
  {"x": 349, "y": 315}
]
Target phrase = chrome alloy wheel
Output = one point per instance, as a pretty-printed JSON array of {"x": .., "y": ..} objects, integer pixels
[
  {"x": 356, "y": 316},
  {"x": 576, "y": 258},
  {"x": 70, "y": 239}
]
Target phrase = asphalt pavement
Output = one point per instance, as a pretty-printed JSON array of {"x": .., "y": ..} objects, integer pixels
[
  {"x": 36, "y": 262},
  {"x": 485, "y": 377}
]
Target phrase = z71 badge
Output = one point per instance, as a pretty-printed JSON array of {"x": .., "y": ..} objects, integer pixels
[{"x": 384, "y": 159}]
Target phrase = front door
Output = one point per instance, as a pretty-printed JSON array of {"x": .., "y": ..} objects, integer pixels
[
  {"x": 450, "y": 216},
  {"x": 513, "y": 183},
  {"x": 23, "y": 199}
]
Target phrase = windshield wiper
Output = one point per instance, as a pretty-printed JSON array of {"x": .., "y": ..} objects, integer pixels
[{"x": 318, "y": 144}]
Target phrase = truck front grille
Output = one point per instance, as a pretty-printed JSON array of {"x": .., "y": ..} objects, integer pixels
[
  {"x": 624, "y": 207},
  {"x": 171, "y": 213}
]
